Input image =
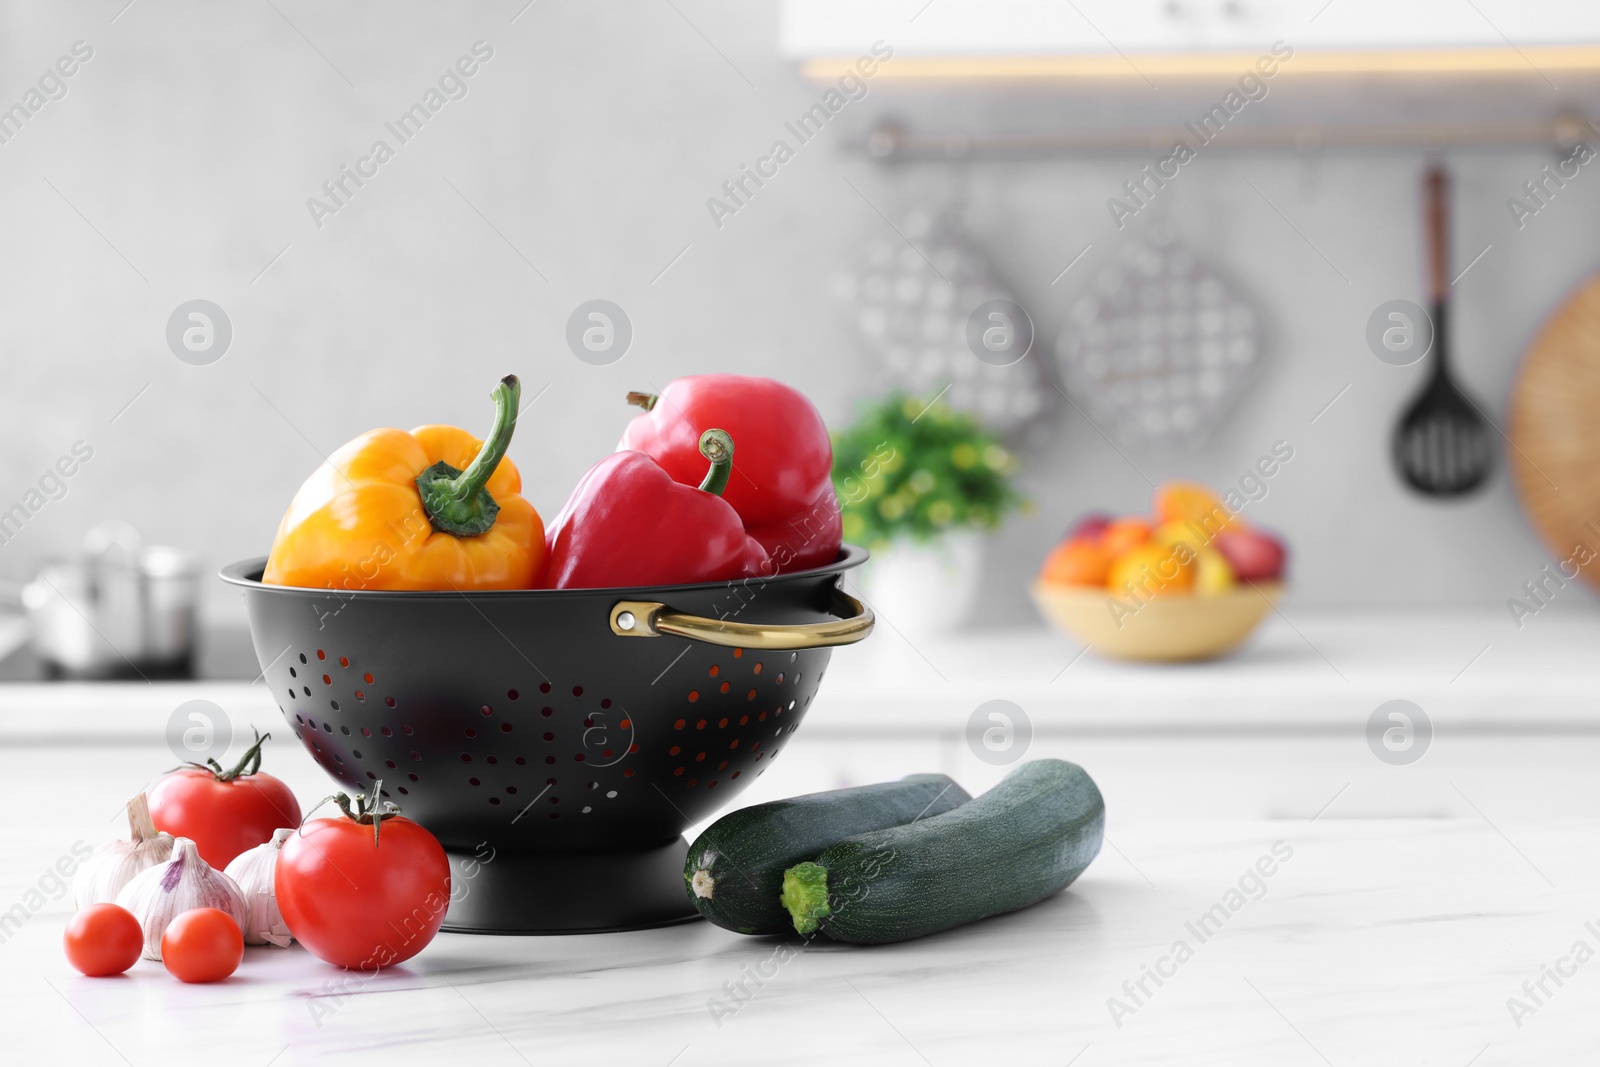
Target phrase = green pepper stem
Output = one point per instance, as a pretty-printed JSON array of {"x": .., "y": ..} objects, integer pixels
[
  {"x": 456, "y": 500},
  {"x": 717, "y": 447},
  {"x": 643, "y": 400},
  {"x": 476, "y": 476}
]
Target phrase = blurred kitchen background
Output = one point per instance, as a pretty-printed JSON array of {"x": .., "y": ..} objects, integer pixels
[
  {"x": 579, "y": 163},
  {"x": 595, "y": 151}
]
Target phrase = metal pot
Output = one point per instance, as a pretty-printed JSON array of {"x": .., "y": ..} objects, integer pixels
[{"x": 123, "y": 607}]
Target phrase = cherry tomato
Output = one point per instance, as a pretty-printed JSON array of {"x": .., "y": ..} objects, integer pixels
[
  {"x": 224, "y": 812},
  {"x": 202, "y": 945},
  {"x": 103, "y": 939},
  {"x": 359, "y": 899}
]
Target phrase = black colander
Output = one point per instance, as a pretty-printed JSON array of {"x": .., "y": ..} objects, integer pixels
[{"x": 557, "y": 742}]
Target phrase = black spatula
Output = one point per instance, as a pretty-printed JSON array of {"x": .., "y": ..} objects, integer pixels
[{"x": 1442, "y": 446}]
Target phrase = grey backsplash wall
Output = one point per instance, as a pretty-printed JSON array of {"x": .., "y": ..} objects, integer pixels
[{"x": 578, "y": 166}]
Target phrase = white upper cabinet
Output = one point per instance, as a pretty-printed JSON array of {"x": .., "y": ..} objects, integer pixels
[{"x": 1469, "y": 34}]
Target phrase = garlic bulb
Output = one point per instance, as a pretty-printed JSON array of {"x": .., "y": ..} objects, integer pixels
[
  {"x": 253, "y": 872},
  {"x": 162, "y": 893},
  {"x": 104, "y": 874}
]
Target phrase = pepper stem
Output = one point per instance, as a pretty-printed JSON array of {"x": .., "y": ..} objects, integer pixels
[
  {"x": 456, "y": 501},
  {"x": 717, "y": 446},
  {"x": 643, "y": 400},
  {"x": 805, "y": 896}
]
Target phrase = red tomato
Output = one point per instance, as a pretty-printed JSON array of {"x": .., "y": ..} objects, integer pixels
[
  {"x": 103, "y": 939},
  {"x": 361, "y": 903},
  {"x": 202, "y": 945},
  {"x": 223, "y": 812}
]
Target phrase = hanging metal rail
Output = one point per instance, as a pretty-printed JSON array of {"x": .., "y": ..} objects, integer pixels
[{"x": 893, "y": 142}]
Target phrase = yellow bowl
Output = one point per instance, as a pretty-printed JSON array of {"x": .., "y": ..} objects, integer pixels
[{"x": 1169, "y": 628}]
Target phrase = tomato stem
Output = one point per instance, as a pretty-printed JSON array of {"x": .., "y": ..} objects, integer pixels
[
  {"x": 366, "y": 815},
  {"x": 248, "y": 764}
]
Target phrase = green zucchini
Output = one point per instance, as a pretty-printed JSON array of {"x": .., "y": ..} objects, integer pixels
[
  {"x": 1020, "y": 842},
  {"x": 735, "y": 869}
]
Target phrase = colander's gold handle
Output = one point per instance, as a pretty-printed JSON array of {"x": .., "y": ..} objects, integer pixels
[{"x": 648, "y": 618}]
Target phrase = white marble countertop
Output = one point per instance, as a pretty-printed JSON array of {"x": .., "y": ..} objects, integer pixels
[
  {"x": 1302, "y": 668},
  {"x": 1374, "y": 943},
  {"x": 1381, "y": 941}
]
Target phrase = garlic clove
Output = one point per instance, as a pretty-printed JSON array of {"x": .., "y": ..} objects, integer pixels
[
  {"x": 161, "y": 893},
  {"x": 115, "y": 864},
  {"x": 255, "y": 872}
]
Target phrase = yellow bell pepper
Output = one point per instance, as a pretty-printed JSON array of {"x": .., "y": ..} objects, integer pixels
[{"x": 431, "y": 509}]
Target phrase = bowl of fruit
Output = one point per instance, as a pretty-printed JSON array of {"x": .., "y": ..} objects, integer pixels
[{"x": 1190, "y": 581}]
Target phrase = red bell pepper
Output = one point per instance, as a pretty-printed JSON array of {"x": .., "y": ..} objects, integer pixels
[
  {"x": 629, "y": 524},
  {"x": 783, "y": 486}
]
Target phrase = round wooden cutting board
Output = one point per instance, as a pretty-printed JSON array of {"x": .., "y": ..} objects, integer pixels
[{"x": 1554, "y": 427}]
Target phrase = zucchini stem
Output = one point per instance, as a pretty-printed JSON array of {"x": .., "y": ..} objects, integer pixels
[
  {"x": 805, "y": 896},
  {"x": 703, "y": 884}
]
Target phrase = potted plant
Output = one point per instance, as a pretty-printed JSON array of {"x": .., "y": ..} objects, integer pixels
[{"x": 920, "y": 484}]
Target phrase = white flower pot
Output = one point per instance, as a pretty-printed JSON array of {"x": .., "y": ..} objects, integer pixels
[{"x": 926, "y": 588}]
